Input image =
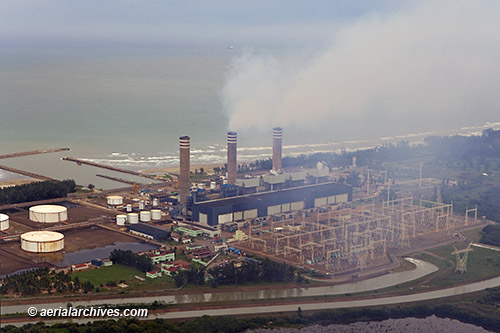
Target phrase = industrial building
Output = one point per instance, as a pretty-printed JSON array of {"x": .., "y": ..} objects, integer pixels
[
  {"x": 226, "y": 210},
  {"x": 148, "y": 231}
]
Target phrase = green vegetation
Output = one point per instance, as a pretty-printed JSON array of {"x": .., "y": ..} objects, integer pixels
[
  {"x": 481, "y": 264},
  {"x": 491, "y": 235},
  {"x": 473, "y": 235},
  {"x": 103, "y": 275},
  {"x": 110, "y": 276},
  {"x": 266, "y": 270},
  {"x": 36, "y": 191},
  {"x": 129, "y": 258},
  {"x": 43, "y": 281}
]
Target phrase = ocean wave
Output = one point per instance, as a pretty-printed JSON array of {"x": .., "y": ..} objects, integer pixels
[
  {"x": 118, "y": 154},
  {"x": 254, "y": 148},
  {"x": 412, "y": 135},
  {"x": 201, "y": 151},
  {"x": 355, "y": 141}
]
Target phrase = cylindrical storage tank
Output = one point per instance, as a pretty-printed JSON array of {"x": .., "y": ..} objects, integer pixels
[
  {"x": 48, "y": 213},
  {"x": 141, "y": 205},
  {"x": 213, "y": 185},
  {"x": 121, "y": 219},
  {"x": 4, "y": 222},
  {"x": 114, "y": 200},
  {"x": 156, "y": 214},
  {"x": 145, "y": 216},
  {"x": 155, "y": 202},
  {"x": 129, "y": 208},
  {"x": 42, "y": 241},
  {"x": 133, "y": 218}
]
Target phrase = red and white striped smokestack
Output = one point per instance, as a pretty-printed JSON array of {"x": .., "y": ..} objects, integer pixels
[
  {"x": 184, "y": 177},
  {"x": 231, "y": 157},
  {"x": 277, "y": 149}
]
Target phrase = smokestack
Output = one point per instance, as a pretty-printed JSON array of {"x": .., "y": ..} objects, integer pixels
[
  {"x": 184, "y": 178},
  {"x": 231, "y": 157},
  {"x": 277, "y": 136}
]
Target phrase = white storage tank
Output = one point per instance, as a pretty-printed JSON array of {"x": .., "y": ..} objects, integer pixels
[
  {"x": 42, "y": 241},
  {"x": 141, "y": 205},
  {"x": 129, "y": 208},
  {"x": 114, "y": 200},
  {"x": 133, "y": 218},
  {"x": 213, "y": 185},
  {"x": 145, "y": 216},
  {"x": 4, "y": 222},
  {"x": 156, "y": 214},
  {"x": 48, "y": 213},
  {"x": 121, "y": 219},
  {"x": 155, "y": 202}
]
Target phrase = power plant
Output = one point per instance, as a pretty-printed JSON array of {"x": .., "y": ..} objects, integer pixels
[{"x": 299, "y": 215}]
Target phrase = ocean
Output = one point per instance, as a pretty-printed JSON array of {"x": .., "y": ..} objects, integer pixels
[{"x": 127, "y": 106}]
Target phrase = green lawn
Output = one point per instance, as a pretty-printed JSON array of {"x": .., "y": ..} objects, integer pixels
[
  {"x": 102, "y": 275},
  {"x": 473, "y": 235},
  {"x": 119, "y": 272},
  {"x": 481, "y": 264}
]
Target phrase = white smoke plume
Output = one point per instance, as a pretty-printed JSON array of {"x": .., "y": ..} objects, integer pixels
[{"x": 428, "y": 65}]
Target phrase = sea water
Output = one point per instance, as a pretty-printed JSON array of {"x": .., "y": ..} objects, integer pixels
[{"x": 127, "y": 106}]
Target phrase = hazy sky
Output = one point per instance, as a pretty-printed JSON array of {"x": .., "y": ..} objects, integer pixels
[
  {"x": 425, "y": 66},
  {"x": 157, "y": 21},
  {"x": 378, "y": 66}
]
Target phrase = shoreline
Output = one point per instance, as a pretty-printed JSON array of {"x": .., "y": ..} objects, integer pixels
[
  {"x": 175, "y": 170},
  {"x": 15, "y": 182}
]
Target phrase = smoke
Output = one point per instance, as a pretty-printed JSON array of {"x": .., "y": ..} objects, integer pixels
[{"x": 430, "y": 65}]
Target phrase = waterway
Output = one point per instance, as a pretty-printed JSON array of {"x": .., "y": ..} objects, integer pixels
[
  {"x": 423, "y": 268},
  {"x": 252, "y": 310}
]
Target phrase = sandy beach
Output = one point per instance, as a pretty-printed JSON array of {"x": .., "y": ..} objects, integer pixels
[{"x": 14, "y": 182}]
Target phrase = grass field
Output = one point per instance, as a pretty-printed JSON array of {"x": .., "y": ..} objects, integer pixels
[
  {"x": 116, "y": 273},
  {"x": 102, "y": 275},
  {"x": 473, "y": 235},
  {"x": 481, "y": 264}
]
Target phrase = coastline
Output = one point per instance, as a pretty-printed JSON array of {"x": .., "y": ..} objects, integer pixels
[
  {"x": 15, "y": 182},
  {"x": 175, "y": 170}
]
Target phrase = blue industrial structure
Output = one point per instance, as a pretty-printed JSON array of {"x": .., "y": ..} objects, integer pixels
[
  {"x": 225, "y": 210},
  {"x": 148, "y": 231}
]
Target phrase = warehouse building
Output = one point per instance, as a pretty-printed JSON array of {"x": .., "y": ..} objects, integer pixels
[
  {"x": 148, "y": 231},
  {"x": 227, "y": 210}
]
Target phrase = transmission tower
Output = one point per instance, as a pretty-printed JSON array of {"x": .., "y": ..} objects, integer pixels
[{"x": 462, "y": 256}]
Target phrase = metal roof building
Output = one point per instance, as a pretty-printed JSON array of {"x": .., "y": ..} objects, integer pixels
[
  {"x": 148, "y": 231},
  {"x": 226, "y": 210}
]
